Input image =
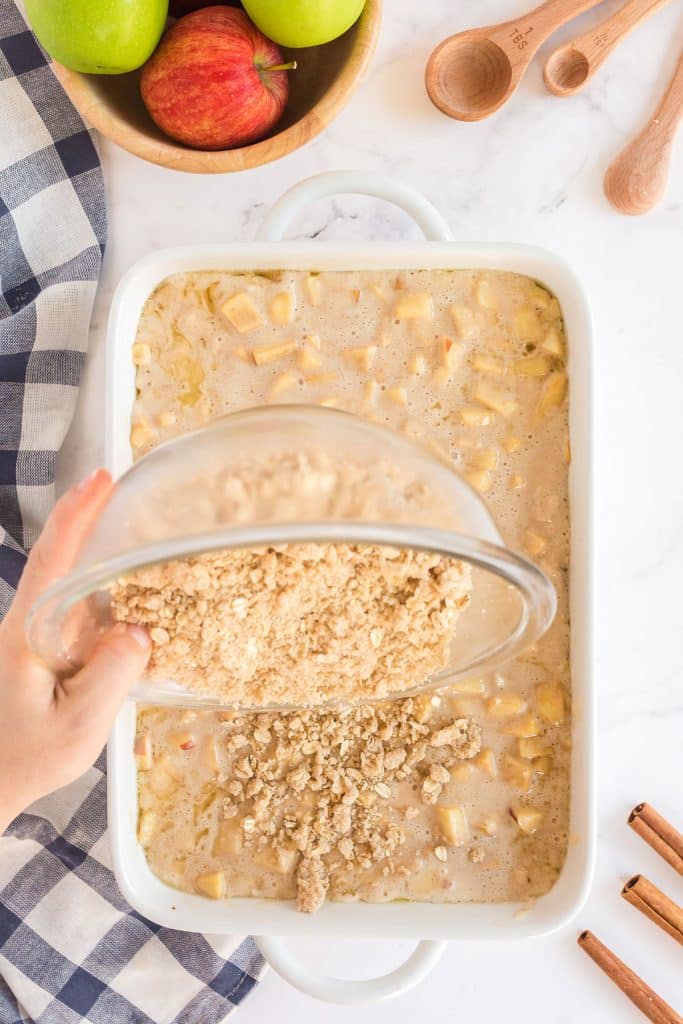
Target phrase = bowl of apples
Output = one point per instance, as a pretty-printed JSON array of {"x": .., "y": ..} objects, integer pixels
[{"x": 206, "y": 86}]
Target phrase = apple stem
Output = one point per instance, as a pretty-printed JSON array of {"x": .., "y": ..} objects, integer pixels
[{"x": 290, "y": 66}]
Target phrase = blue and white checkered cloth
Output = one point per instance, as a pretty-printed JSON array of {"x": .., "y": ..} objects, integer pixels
[{"x": 71, "y": 950}]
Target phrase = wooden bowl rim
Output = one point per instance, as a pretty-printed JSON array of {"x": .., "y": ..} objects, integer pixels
[{"x": 169, "y": 154}]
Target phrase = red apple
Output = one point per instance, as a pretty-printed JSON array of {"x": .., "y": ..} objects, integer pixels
[{"x": 215, "y": 81}]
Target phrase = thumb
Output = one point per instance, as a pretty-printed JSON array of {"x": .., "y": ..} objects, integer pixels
[{"x": 116, "y": 664}]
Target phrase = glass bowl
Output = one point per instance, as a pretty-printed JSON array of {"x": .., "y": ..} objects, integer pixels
[{"x": 287, "y": 475}]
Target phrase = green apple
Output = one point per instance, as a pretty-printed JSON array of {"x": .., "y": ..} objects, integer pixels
[
  {"x": 303, "y": 22},
  {"x": 99, "y": 37}
]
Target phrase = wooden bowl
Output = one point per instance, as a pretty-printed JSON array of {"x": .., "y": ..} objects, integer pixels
[{"x": 324, "y": 81}]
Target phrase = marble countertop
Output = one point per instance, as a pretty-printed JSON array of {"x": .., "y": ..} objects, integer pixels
[{"x": 533, "y": 173}]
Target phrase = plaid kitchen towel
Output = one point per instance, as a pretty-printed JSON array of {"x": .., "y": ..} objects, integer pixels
[{"x": 71, "y": 950}]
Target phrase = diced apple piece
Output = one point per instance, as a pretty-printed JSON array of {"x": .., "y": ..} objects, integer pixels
[
  {"x": 212, "y": 884},
  {"x": 554, "y": 391},
  {"x": 185, "y": 740},
  {"x": 452, "y": 822},
  {"x": 487, "y": 825},
  {"x": 281, "y": 860},
  {"x": 397, "y": 395},
  {"x": 517, "y": 481},
  {"x": 282, "y": 309},
  {"x": 451, "y": 352},
  {"x": 142, "y": 434},
  {"x": 483, "y": 458},
  {"x": 142, "y": 354},
  {"x": 423, "y": 706},
  {"x": 328, "y": 377},
  {"x": 417, "y": 365},
  {"x": 361, "y": 357},
  {"x": 462, "y": 771},
  {"x": 493, "y": 398},
  {"x": 142, "y": 749},
  {"x": 528, "y": 818},
  {"x": 415, "y": 306},
  {"x": 492, "y": 366},
  {"x": 472, "y": 416},
  {"x": 167, "y": 419},
  {"x": 532, "y": 366},
  {"x": 553, "y": 344},
  {"x": 229, "y": 838},
  {"x": 528, "y": 325},
  {"x": 550, "y": 701},
  {"x": 463, "y": 320},
  {"x": 241, "y": 353},
  {"x": 542, "y": 765},
  {"x": 269, "y": 353},
  {"x": 532, "y": 746},
  {"x": 503, "y": 705},
  {"x": 162, "y": 779},
  {"x": 512, "y": 444},
  {"x": 242, "y": 313},
  {"x": 480, "y": 479},
  {"x": 314, "y": 289},
  {"x": 147, "y": 823},
  {"x": 485, "y": 295},
  {"x": 309, "y": 360},
  {"x": 525, "y": 725},
  {"x": 283, "y": 382},
  {"x": 370, "y": 389},
  {"x": 517, "y": 772},
  {"x": 486, "y": 762}
]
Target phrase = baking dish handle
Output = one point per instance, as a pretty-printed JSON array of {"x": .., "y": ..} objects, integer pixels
[
  {"x": 363, "y": 183},
  {"x": 421, "y": 961}
]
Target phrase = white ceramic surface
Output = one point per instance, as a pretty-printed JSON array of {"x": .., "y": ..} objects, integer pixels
[
  {"x": 419, "y": 920},
  {"x": 530, "y": 174}
]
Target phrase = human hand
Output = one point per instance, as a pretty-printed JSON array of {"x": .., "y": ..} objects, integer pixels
[{"x": 52, "y": 728}]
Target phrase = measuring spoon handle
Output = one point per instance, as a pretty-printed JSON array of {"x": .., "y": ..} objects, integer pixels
[
  {"x": 595, "y": 45},
  {"x": 530, "y": 30},
  {"x": 636, "y": 181}
]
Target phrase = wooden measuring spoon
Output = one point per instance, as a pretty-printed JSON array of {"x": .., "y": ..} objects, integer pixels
[
  {"x": 636, "y": 181},
  {"x": 570, "y": 66},
  {"x": 471, "y": 74}
]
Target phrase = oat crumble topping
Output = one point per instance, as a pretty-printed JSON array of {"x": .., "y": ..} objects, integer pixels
[
  {"x": 298, "y": 625},
  {"x": 345, "y": 765}
]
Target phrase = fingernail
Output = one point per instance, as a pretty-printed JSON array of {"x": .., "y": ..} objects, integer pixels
[
  {"x": 89, "y": 479},
  {"x": 137, "y": 633}
]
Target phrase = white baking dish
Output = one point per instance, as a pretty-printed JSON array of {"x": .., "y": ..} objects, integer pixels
[{"x": 270, "y": 918}]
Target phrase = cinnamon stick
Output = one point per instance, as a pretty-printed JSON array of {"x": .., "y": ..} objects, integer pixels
[
  {"x": 640, "y": 994},
  {"x": 659, "y": 833},
  {"x": 652, "y": 902}
]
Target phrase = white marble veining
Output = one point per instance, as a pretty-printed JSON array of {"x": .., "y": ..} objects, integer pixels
[{"x": 532, "y": 173}]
